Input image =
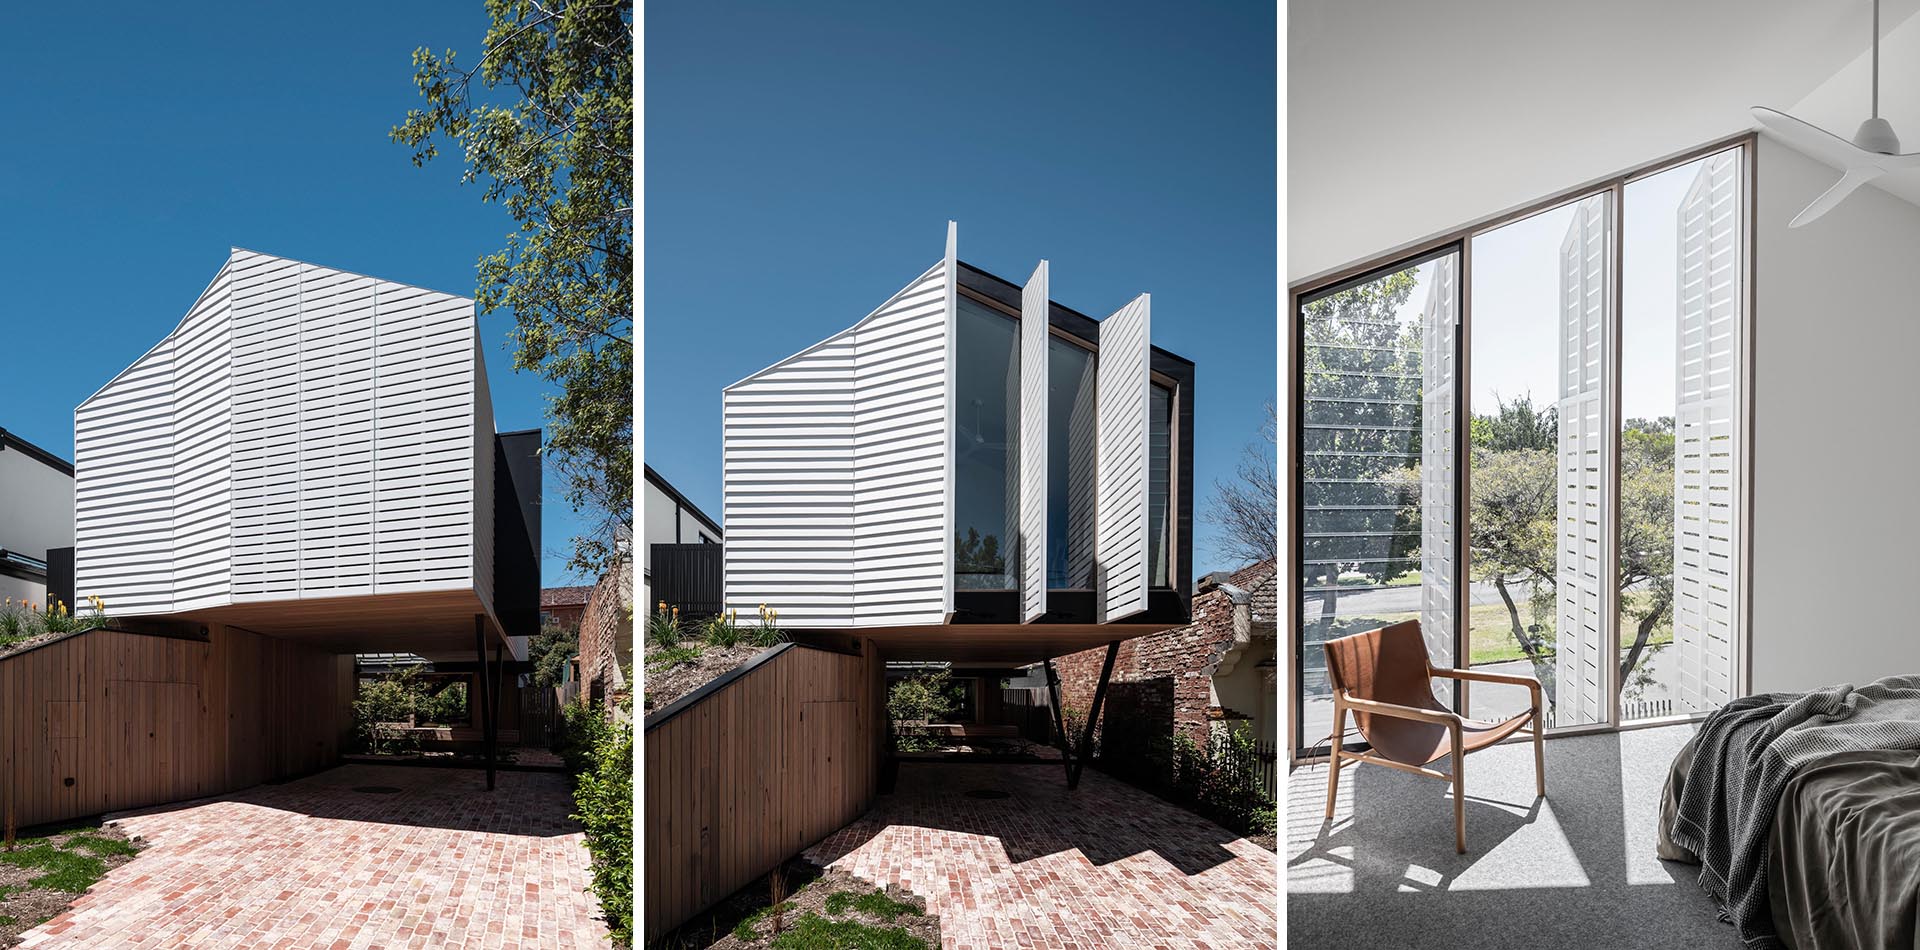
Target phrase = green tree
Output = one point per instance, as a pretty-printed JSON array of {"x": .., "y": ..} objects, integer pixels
[
  {"x": 1646, "y": 538},
  {"x": 550, "y": 650},
  {"x": 1515, "y": 505},
  {"x": 544, "y": 119},
  {"x": 1361, "y": 368}
]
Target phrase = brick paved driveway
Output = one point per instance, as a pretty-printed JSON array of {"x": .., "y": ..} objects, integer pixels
[
  {"x": 316, "y": 864},
  {"x": 1104, "y": 866}
]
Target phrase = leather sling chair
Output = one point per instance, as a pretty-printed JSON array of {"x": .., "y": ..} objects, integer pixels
[{"x": 1384, "y": 677}]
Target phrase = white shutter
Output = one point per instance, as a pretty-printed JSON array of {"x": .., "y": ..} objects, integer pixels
[
  {"x": 1585, "y": 456},
  {"x": 1120, "y": 521},
  {"x": 1706, "y": 435},
  {"x": 1438, "y": 372},
  {"x": 1033, "y": 445}
]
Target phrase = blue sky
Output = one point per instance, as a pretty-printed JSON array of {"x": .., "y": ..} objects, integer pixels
[
  {"x": 802, "y": 161},
  {"x": 147, "y": 139}
]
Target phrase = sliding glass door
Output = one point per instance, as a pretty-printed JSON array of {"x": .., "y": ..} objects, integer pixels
[{"x": 1531, "y": 439}]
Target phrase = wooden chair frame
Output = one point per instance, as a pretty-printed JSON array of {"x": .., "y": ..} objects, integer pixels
[{"x": 1454, "y": 722}]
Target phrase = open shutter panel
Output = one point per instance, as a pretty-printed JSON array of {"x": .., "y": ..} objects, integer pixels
[
  {"x": 1437, "y": 517},
  {"x": 1033, "y": 446},
  {"x": 1584, "y": 458},
  {"x": 1705, "y": 533},
  {"x": 1120, "y": 523}
]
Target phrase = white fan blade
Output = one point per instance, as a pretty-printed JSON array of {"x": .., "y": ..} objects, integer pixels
[
  {"x": 1811, "y": 139},
  {"x": 1854, "y": 178}
]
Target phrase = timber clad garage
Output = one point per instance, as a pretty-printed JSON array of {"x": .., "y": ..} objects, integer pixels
[{"x": 305, "y": 468}]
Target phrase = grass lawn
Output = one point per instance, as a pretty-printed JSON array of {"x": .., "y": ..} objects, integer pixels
[
  {"x": 40, "y": 876},
  {"x": 1490, "y": 629},
  {"x": 826, "y": 911}
]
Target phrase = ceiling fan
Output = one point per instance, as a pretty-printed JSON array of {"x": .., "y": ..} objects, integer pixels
[{"x": 1874, "y": 151}]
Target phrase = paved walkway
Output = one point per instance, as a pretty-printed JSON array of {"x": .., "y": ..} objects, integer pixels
[
  {"x": 360, "y": 856},
  {"x": 1107, "y": 865}
]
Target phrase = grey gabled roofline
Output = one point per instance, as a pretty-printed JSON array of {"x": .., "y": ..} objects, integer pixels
[{"x": 10, "y": 441}]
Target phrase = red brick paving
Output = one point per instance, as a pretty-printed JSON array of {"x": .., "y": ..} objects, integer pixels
[
  {"x": 1106, "y": 865},
  {"x": 313, "y": 863}
]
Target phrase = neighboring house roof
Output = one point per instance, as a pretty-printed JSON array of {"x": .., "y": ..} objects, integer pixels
[
  {"x": 551, "y": 597},
  {"x": 1259, "y": 580},
  {"x": 10, "y": 441},
  {"x": 681, "y": 500}
]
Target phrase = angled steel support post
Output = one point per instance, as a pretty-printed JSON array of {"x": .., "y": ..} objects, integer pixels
[
  {"x": 1093, "y": 716},
  {"x": 480, "y": 686},
  {"x": 1059, "y": 723}
]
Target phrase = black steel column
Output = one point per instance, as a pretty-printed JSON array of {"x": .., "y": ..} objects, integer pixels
[
  {"x": 1093, "y": 716},
  {"x": 480, "y": 686},
  {"x": 1059, "y": 723}
]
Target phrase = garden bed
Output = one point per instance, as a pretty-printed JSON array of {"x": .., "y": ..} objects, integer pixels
[
  {"x": 825, "y": 909},
  {"x": 690, "y": 664},
  {"x": 41, "y": 875}
]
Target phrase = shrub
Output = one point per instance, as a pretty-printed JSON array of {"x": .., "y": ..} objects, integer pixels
[
  {"x": 663, "y": 627},
  {"x": 918, "y": 699},
  {"x": 447, "y": 707},
  {"x": 722, "y": 630},
  {"x": 603, "y": 793},
  {"x": 390, "y": 697},
  {"x": 671, "y": 657},
  {"x": 768, "y": 633}
]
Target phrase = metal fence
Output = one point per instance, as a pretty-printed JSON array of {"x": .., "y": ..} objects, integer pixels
[{"x": 687, "y": 576}]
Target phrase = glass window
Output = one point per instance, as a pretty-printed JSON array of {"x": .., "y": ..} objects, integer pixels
[
  {"x": 986, "y": 504},
  {"x": 1376, "y": 470},
  {"x": 1540, "y": 512},
  {"x": 1071, "y": 444},
  {"x": 1159, "y": 482}
]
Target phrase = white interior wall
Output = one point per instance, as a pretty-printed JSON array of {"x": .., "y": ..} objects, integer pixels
[{"x": 1837, "y": 324}]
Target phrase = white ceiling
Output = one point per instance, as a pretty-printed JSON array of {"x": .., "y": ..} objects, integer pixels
[{"x": 1407, "y": 118}]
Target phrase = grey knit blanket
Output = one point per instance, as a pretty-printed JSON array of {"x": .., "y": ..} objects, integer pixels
[{"x": 1744, "y": 756}]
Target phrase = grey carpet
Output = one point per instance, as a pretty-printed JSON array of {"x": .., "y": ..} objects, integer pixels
[{"x": 1577, "y": 870}]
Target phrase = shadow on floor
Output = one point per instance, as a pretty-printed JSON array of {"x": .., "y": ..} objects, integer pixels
[
  {"x": 534, "y": 804},
  {"x": 1576, "y": 870},
  {"x": 1028, "y": 809}
]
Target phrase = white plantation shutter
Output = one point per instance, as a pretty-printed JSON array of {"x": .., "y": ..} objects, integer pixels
[
  {"x": 1438, "y": 372},
  {"x": 1706, "y": 449},
  {"x": 1033, "y": 446},
  {"x": 1585, "y": 456},
  {"x": 1120, "y": 520}
]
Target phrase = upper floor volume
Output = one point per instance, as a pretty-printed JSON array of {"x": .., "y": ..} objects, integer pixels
[
  {"x": 311, "y": 453},
  {"x": 971, "y": 452}
]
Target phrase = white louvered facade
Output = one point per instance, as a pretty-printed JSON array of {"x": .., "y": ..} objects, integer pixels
[
  {"x": 1584, "y": 461},
  {"x": 1120, "y": 520},
  {"x": 1438, "y": 522},
  {"x": 1034, "y": 335},
  {"x": 303, "y": 433},
  {"x": 1707, "y": 450},
  {"x": 839, "y": 467}
]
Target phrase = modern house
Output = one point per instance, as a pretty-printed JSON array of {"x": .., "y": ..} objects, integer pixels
[
  {"x": 305, "y": 468},
  {"x": 972, "y": 472},
  {"x": 36, "y": 520},
  {"x": 974, "y": 475}
]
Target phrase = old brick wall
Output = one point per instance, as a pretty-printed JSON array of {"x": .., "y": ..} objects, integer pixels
[
  {"x": 606, "y": 637},
  {"x": 1161, "y": 683}
]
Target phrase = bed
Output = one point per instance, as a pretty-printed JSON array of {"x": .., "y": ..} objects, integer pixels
[{"x": 1803, "y": 811}]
